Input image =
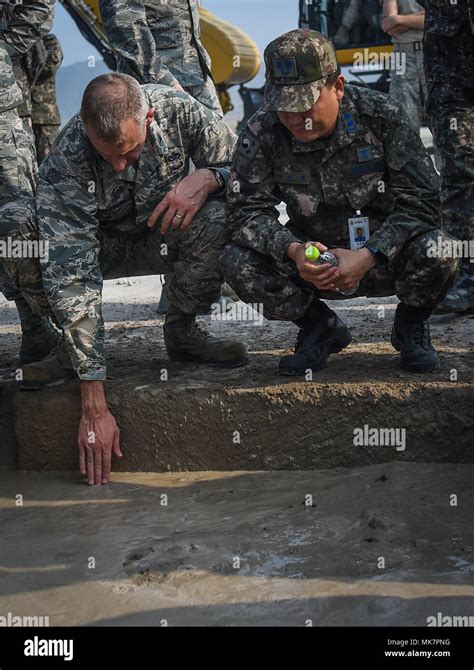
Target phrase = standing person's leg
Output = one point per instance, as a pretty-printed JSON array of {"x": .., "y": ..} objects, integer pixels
[
  {"x": 406, "y": 86},
  {"x": 451, "y": 111},
  {"x": 44, "y": 139},
  {"x": 424, "y": 97},
  {"x": 18, "y": 173},
  {"x": 206, "y": 93}
]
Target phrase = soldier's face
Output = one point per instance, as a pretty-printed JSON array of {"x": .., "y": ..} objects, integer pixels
[
  {"x": 319, "y": 121},
  {"x": 127, "y": 151}
]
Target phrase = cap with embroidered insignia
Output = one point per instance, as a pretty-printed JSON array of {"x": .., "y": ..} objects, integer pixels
[{"x": 297, "y": 66}]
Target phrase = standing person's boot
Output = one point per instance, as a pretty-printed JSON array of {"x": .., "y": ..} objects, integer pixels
[
  {"x": 38, "y": 337},
  {"x": 322, "y": 333},
  {"x": 411, "y": 337},
  {"x": 186, "y": 341}
]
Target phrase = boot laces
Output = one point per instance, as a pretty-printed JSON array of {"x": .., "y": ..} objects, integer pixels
[
  {"x": 197, "y": 329},
  {"x": 420, "y": 333}
]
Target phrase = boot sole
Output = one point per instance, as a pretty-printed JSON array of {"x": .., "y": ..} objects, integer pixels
[
  {"x": 39, "y": 386},
  {"x": 416, "y": 367},
  {"x": 338, "y": 345},
  {"x": 183, "y": 358}
]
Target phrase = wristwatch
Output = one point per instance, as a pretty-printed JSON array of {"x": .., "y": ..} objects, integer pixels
[
  {"x": 220, "y": 180},
  {"x": 380, "y": 258}
]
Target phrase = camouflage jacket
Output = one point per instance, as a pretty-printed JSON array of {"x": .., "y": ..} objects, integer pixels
[
  {"x": 78, "y": 192},
  {"x": 374, "y": 162},
  {"x": 22, "y": 24},
  {"x": 157, "y": 42},
  {"x": 449, "y": 41}
]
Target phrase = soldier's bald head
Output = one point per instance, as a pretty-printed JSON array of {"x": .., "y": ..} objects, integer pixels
[{"x": 110, "y": 100}]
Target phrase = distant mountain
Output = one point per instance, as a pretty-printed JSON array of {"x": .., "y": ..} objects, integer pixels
[{"x": 70, "y": 84}]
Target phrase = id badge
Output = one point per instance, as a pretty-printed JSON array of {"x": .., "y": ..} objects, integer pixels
[{"x": 359, "y": 231}]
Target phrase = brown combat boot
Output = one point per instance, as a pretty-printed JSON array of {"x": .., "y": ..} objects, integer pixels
[
  {"x": 186, "y": 341},
  {"x": 51, "y": 371}
]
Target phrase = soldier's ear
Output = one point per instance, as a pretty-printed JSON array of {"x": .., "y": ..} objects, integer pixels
[
  {"x": 339, "y": 86},
  {"x": 150, "y": 115}
]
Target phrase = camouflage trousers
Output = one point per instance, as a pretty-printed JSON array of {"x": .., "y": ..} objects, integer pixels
[
  {"x": 44, "y": 138},
  {"x": 451, "y": 111},
  {"x": 18, "y": 171},
  {"x": 189, "y": 258},
  {"x": 414, "y": 276},
  {"x": 206, "y": 94},
  {"x": 408, "y": 87}
]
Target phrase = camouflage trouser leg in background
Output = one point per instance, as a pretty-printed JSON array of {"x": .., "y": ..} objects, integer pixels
[
  {"x": 23, "y": 275},
  {"x": 44, "y": 138},
  {"x": 408, "y": 85},
  {"x": 191, "y": 258},
  {"x": 207, "y": 95},
  {"x": 415, "y": 277},
  {"x": 451, "y": 111},
  {"x": 18, "y": 172}
]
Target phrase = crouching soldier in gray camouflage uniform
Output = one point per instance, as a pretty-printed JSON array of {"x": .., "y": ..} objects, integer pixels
[
  {"x": 115, "y": 171},
  {"x": 332, "y": 152}
]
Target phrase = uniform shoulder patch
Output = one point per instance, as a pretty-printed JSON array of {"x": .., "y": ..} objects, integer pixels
[
  {"x": 248, "y": 144},
  {"x": 349, "y": 122}
]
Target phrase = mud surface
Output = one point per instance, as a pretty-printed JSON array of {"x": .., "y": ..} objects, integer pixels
[{"x": 381, "y": 545}]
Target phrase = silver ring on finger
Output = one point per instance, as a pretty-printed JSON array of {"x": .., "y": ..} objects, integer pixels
[{"x": 178, "y": 216}]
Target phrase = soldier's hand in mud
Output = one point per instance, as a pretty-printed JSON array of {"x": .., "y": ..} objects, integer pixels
[
  {"x": 99, "y": 435},
  {"x": 180, "y": 205},
  {"x": 353, "y": 265}
]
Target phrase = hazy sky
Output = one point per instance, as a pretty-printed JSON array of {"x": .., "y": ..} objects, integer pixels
[{"x": 262, "y": 20}]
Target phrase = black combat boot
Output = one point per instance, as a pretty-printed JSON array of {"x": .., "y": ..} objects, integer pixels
[
  {"x": 38, "y": 337},
  {"x": 186, "y": 341},
  {"x": 411, "y": 337},
  {"x": 322, "y": 333}
]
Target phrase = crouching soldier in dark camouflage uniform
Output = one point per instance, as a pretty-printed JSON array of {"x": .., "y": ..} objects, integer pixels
[
  {"x": 329, "y": 151},
  {"x": 115, "y": 171}
]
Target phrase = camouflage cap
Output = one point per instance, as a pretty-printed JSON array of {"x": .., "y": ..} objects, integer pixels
[{"x": 297, "y": 65}]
